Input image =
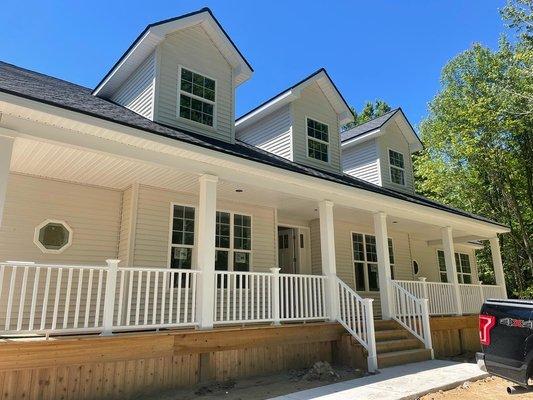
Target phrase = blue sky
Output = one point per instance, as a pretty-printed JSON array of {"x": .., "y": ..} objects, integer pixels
[{"x": 393, "y": 50}]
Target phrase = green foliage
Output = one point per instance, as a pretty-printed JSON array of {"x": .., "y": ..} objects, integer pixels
[
  {"x": 370, "y": 111},
  {"x": 478, "y": 140}
]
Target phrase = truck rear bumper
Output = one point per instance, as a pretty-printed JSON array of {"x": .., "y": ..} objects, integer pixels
[{"x": 480, "y": 360}]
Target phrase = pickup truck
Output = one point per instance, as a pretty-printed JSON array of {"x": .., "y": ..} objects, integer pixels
[{"x": 506, "y": 334}]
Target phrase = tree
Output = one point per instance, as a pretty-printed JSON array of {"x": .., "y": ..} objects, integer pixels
[
  {"x": 370, "y": 111},
  {"x": 478, "y": 140}
]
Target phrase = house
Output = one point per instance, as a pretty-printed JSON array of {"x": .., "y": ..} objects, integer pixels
[{"x": 144, "y": 204}]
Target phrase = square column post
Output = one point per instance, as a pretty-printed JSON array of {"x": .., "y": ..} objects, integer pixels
[
  {"x": 382, "y": 248},
  {"x": 497, "y": 264},
  {"x": 451, "y": 266},
  {"x": 329, "y": 265},
  {"x": 207, "y": 208},
  {"x": 6, "y": 149}
]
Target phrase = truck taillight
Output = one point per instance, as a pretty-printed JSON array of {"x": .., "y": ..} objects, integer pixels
[{"x": 486, "y": 323}]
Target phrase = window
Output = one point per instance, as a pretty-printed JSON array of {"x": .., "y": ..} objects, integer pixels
[
  {"x": 416, "y": 268},
  {"x": 462, "y": 262},
  {"x": 182, "y": 240},
  {"x": 365, "y": 260},
  {"x": 233, "y": 241},
  {"x": 53, "y": 236},
  {"x": 197, "y": 97},
  {"x": 396, "y": 165},
  {"x": 317, "y": 140}
]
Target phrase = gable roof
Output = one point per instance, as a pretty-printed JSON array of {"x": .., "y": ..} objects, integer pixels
[
  {"x": 327, "y": 86},
  {"x": 59, "y": 93},
  {"x": 371, "y": 129},
  {"x": 156, "y": 32}
]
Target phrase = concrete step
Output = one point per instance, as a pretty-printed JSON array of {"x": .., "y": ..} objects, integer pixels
[
  {"x": 392, "y": 334},
  {"x": 388, "y": 346},
  {"x": 403, "y": 357},
  {"x": 385, "y": 325}
]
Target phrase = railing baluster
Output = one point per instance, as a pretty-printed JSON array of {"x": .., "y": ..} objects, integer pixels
[
  {"x": 45, "y": 298},
  {"x": 98, "y": 298},
  {"x": 156, "y": 300},
  {"x": 138, "y": 298},
  {"x": 56, "y": 301},
  {"x": 163, "y": 297},
  {"x": 186, "y": 305},
  {"x": 120, "y": 295},
  {"x": 10, "y": 296},
  {"x": 67, "y": 297},
  {"x": 171, "y": 295},
  {"x": 130, "y": 297},
  {"x": 178, "y": 307},
  {"x": 22, "y": 298},
  {"x": 193, "y": 296},
  {"x": 33, "y": 297},
  {"x": 78, "y": 298},
  {"x": 88, "y": 300}
]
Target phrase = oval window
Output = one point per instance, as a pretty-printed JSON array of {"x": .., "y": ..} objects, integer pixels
[
  {"x": 53, "y": 236},
  {"x": 416, "y": 269}
]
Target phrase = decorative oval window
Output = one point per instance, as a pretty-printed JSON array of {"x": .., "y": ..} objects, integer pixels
[
  {"x": 53, "y": 236},
  {"x": 416, "y": 269}
]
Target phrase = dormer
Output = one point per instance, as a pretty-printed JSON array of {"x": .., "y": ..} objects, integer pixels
[
  {"x": 379, "y": 151},
  {"x": 181, "y": 72},
  {"x": 300, "y": 124}
]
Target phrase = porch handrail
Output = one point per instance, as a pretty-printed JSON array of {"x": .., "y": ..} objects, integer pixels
[
  {"x": 412, "y": 313},
  {"x": 356, "y": 315}
]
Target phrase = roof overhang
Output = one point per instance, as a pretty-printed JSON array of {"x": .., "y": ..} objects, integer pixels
[
  {"x": 155, "y": 33},
  {"x": 403, "y": 124},
  {"x": 325, "y": 83}
]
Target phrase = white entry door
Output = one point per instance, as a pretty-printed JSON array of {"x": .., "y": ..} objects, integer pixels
[{"x": 287, "y": 251}]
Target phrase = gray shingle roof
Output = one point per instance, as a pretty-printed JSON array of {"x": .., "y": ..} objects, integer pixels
[
  {"x": 369, "y": 126},
  {"x": 45, "y": 89}
]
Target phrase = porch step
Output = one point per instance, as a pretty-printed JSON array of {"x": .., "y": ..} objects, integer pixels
[
  {"x": 389, "y": 346},
  {"x": 386, "y": 325},
  {"x": 391, "y": 334},
  {"x": 403, "y": 357}
]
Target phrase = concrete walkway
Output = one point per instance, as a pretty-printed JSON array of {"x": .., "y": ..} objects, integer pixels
[{"x": 408, "y": 381}]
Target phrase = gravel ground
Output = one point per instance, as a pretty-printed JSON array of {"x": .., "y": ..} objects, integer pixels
[{"x": 491, "y": 388}]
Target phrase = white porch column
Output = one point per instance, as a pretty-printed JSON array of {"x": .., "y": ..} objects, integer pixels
[
  {"x": 382, "y": 247},
  {"x": 207, "y": 208},
  {"x": 451, "y": 267},
  {"x": 327, "y": 248},
  {"x": 497, "y": 264},
  {"x": 6, "y": 148}
]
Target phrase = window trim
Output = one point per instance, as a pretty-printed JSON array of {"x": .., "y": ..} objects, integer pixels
[
  {"x": 458, "y": 267},
  {"x": 389, "y": 149},
  {"x": 365, "y": 270},
  {"x": 213, "y": 103},
  {"x": 170, "y": 225},
  {"x": 307, "y": 138},
  {"x": 41, "y": 246},
  {"x": 231, "y": 249}
]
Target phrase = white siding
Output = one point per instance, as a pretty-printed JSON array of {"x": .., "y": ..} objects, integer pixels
[
  {"x": 137, "y": 92},
  {"x": 192, "y": 48},
  {"x": 92, "y": 213},
  {"x": 125, "y": 228},
  {"x": 393, "y": 139},
  {"x": 315, "y": 105},
  {"x": 271, "y": 133},
  {"x": 362, "y": 161}
]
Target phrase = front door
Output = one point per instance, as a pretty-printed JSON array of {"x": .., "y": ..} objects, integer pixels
[{"x": 287, "y": 251}]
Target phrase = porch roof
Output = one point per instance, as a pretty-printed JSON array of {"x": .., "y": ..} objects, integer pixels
[{"x": 56, "y": 92}]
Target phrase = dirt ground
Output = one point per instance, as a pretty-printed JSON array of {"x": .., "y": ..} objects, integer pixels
[{"x": 491, "y": 388}]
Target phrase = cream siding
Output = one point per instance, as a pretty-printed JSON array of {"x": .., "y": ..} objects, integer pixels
[
  {"x": 192, "y": 49},
  {"x": 314, "y": 104},
  {"x": 271, "y": 133},
  {"x": 137, "y": 92},
  {"x": 93, "y": 214},
  {"x": 393, "y": 139},
  {"x": 362, "y": 161},
  {"x": 153, "y": 228}
]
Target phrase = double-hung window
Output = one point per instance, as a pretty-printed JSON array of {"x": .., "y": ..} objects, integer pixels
[
  {"x": 317, "y": 140},
  {"x": 197, "y": 95},
  {"x": 462, "y": 262},
  {"x": 365, "y": 259},
  {"x": 397, "y": 167},
  {"x": 182, "y": 237}
]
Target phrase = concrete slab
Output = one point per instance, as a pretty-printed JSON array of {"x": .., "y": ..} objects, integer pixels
[{"x": 408, "y": 381}]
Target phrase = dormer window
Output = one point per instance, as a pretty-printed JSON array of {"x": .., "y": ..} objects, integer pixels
[
  {"x": 317, "y": 140},
  {"x": 197, "y": 95},
  {"x": 396, "y": 165}
]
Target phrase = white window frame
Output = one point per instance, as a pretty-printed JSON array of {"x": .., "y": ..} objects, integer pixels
[
  {"x": 307, "y": 138},
  {"x": 171, "y": 225},
  {"x": 459, "y": 267},
  {"x": 41, "y": 246},
  {"x": 394, "y": 166},
  {"x": 231, "y": 249},
  {"x": 214, "y": 103},
  {"x": 366, "y": 262}
]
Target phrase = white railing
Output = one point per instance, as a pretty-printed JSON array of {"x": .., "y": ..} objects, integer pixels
[
  {"x": 357, "y": 317},
  {"x": 412, "y": 313},
  {"x": 302, "y": 297},
  {"x": 155, "y": 298},
  {"x": 441, "y": 296},
  {"x": 243, "y": 297}
]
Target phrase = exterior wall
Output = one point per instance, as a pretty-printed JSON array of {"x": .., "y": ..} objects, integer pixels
[
  {"x": 152, "y": 233},
  {"x": 362, "y": 161},
  {"x": 93, "y": 214},
  {"x": 192, "y": 49},
  {"x": 271, "y": 133},
  {"x": 394, "y": 140},
  {"x": 127, "y": 226},
  {"x": 314, "y": 104},
  {"x": 137, "y": 92}
]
